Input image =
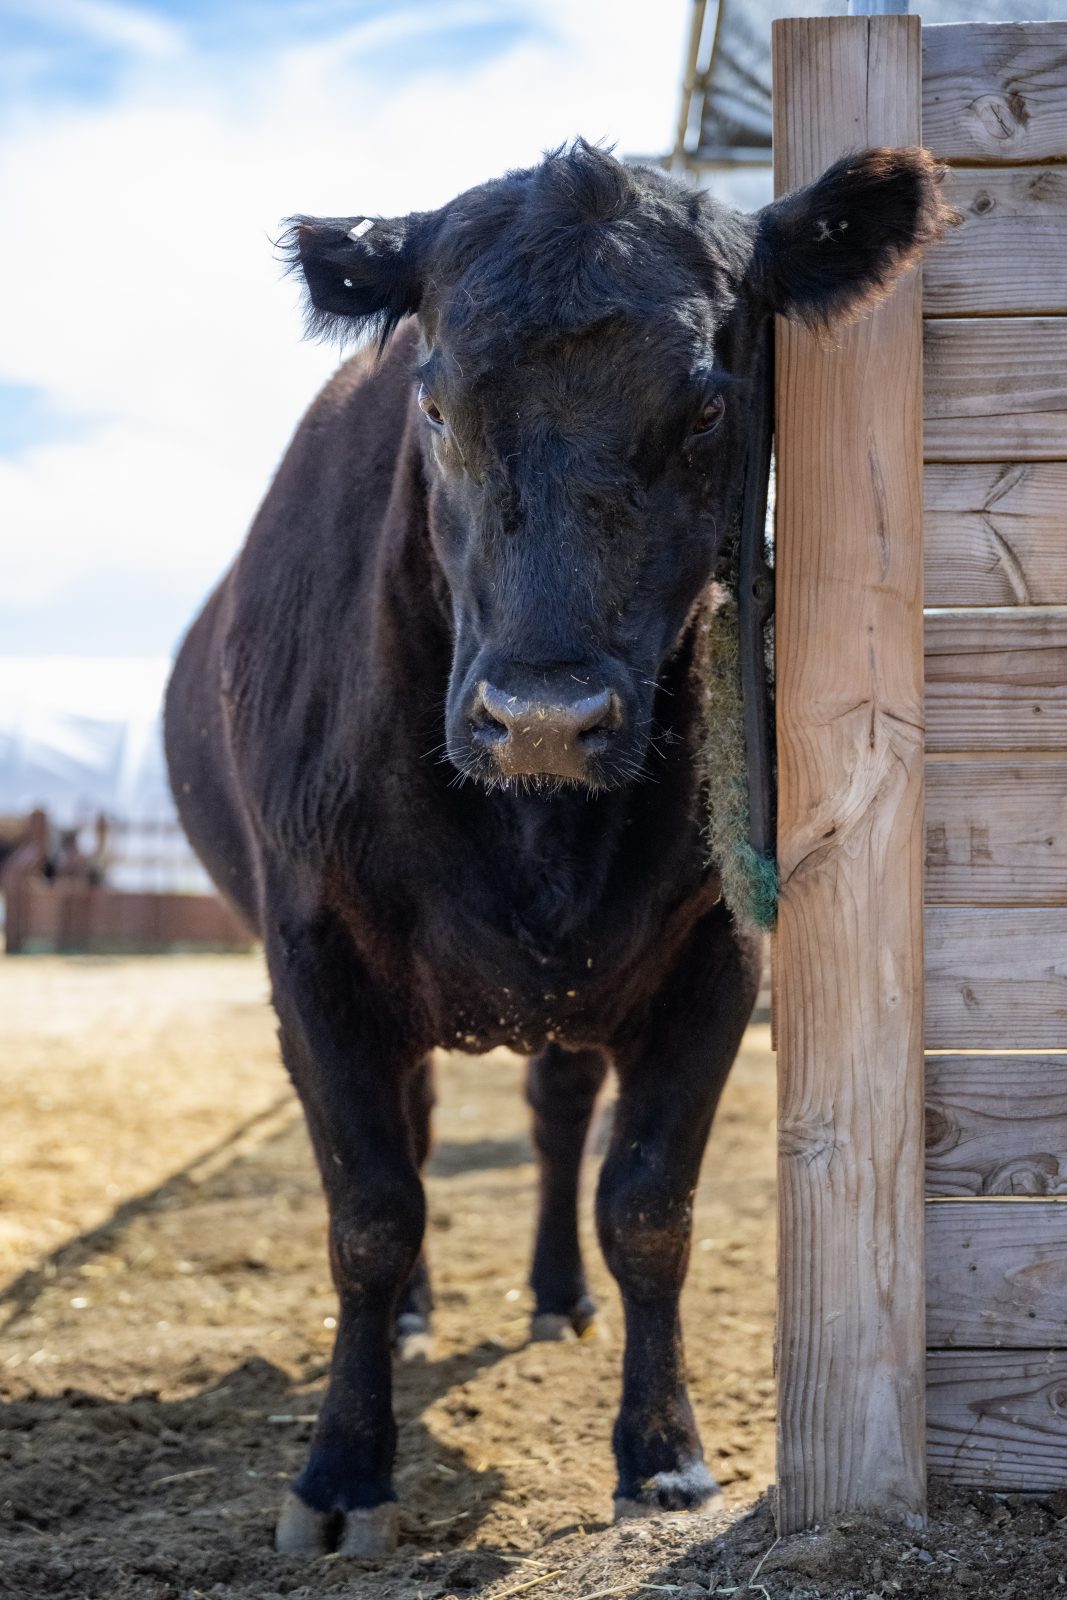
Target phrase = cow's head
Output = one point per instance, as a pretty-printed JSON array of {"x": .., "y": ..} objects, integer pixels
[{"x": 588, "y": 335}]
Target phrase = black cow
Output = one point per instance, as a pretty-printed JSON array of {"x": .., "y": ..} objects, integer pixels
[{"x": 435, "y": 732}]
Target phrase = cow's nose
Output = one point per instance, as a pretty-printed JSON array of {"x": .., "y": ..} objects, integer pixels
[{"x": 542, "y": 735}]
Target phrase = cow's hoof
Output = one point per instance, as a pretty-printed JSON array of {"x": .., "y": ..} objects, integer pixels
[
  {"x": 551, "y": 1327},
  {"x": 300, "y": 1531},
  {"x": 412, "y": 1340},
  {"x": 370, "y": 1534},
  {"x": 693, "y": 1489}
]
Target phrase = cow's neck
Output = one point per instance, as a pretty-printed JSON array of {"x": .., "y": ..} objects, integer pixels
[{"x": 562, "y": 848}]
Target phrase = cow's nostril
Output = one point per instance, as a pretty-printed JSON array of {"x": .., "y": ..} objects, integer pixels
[
  {"x": 489, "y": 720},
  {"x": 486, "y": 728},
  {"x": 598, "y": 719}
]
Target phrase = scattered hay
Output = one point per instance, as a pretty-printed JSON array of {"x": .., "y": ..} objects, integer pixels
[{"x": 749, "y": 881}]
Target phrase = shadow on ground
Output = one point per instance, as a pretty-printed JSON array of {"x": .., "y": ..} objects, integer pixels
[{"x": 151, "y": 1498}]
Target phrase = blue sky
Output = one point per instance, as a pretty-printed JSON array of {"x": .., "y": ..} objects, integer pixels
[
  {"x": 151, "y": 369},
  {"x": 29, "y": 415},
  {"x": 72, "y": 52}
]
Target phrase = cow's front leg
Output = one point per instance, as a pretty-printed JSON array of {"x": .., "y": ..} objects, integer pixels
[
  {"x": 670, "y": 1077},
  {"x": 412, "y": 1339},
  {"x": 348, "y": 1056},
  {"x": 562, "y": 1087}
]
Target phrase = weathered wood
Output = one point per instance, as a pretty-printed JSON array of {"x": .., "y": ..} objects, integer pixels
[
  {"x": 994, "y": 91},
  {"x": 996, "y": 833},
  {"x": 996, "y": 388},
  {"x": 1008, "y": 254},
  {"x": 996, "y": 1273},
  {"x": 996, "y": 680},
  {"x": 996, "y": 979},
  {"x": 996, "y": 1125},
  {"x": 998, "y": 1419},
  {"x": 850, "y": 754},
  {"x": 995, "y": 533}
]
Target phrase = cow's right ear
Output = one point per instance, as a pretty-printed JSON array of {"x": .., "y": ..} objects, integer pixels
[
  {"x": 831, "y": 251},
  {"x": 361, "y": 274}
]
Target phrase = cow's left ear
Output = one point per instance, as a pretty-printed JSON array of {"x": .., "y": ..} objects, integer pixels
[
  {"x": 832, "y": 250},
  {"x": 362, "y": 274}
]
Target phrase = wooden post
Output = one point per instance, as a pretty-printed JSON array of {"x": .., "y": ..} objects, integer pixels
[{"x": 849, "y": 958}]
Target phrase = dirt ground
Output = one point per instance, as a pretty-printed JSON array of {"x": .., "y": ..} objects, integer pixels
[{"x": 166, "y": 1317}]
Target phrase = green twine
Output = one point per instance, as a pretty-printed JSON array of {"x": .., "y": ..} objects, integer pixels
[{"x": 749, "y": 880}]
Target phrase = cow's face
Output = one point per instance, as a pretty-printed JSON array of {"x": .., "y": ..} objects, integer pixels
[{"x": 585, "y": 390}]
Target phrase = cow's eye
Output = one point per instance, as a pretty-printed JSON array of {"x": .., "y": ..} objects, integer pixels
[
  {"x": 428, "y": 407},
  {"x": 711, "y": 414}
]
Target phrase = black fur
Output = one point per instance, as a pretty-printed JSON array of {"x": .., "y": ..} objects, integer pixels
[
  {"x": 834, "y": 248},
  {"x": 367, "y": 284}
]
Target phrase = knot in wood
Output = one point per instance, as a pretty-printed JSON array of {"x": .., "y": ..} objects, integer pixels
[
  {"x": 809, "y": 1143},
  {"x": 1030, "y": 1175},
  {"x": 942, "y": 1132},
  {"x": 1000, "y": 117}
]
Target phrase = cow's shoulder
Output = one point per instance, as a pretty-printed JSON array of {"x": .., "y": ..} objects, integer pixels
[{"x": 372, "y": 382}]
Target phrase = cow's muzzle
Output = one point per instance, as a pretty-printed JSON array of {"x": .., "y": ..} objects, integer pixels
[{"x": 545, "y": 724}]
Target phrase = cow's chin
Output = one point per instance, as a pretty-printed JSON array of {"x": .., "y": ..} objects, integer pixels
[{"x": 614, "y": 770}]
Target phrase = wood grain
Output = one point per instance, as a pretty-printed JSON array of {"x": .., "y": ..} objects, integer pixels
[
  {"x": 996, "y": 1273},
  {"x": 994, "y": 91},
  {"x": 996, "y": 979},
  {"x": 998, "y": 1418},
  {"x": 1008, "y": 253},
  {"x": 996, "y": 833},
  {"x": 996, "y": 679},
  {"x": 996, "y": 534},
  {"x": 850, "y": 757},
  {"x": 996, "y": 1125},
  {"x": 996, "y": 388}
]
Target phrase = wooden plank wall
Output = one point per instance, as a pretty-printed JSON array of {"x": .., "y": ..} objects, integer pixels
[
  {"x": 995, "y": 555},
  {"x": 848, "y": 957}
]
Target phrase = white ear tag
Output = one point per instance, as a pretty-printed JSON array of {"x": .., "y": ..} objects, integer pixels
[{"x": 360, "y": 229}]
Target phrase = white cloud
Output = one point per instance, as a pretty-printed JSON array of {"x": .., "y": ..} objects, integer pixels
[
  {"x": 104, "y": 22},
  {"x": 125, "y": 498},
  {"x": 142, "y": 291}
]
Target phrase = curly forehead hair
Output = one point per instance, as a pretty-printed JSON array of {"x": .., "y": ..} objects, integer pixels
[{"x": 562, "y": 246}]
